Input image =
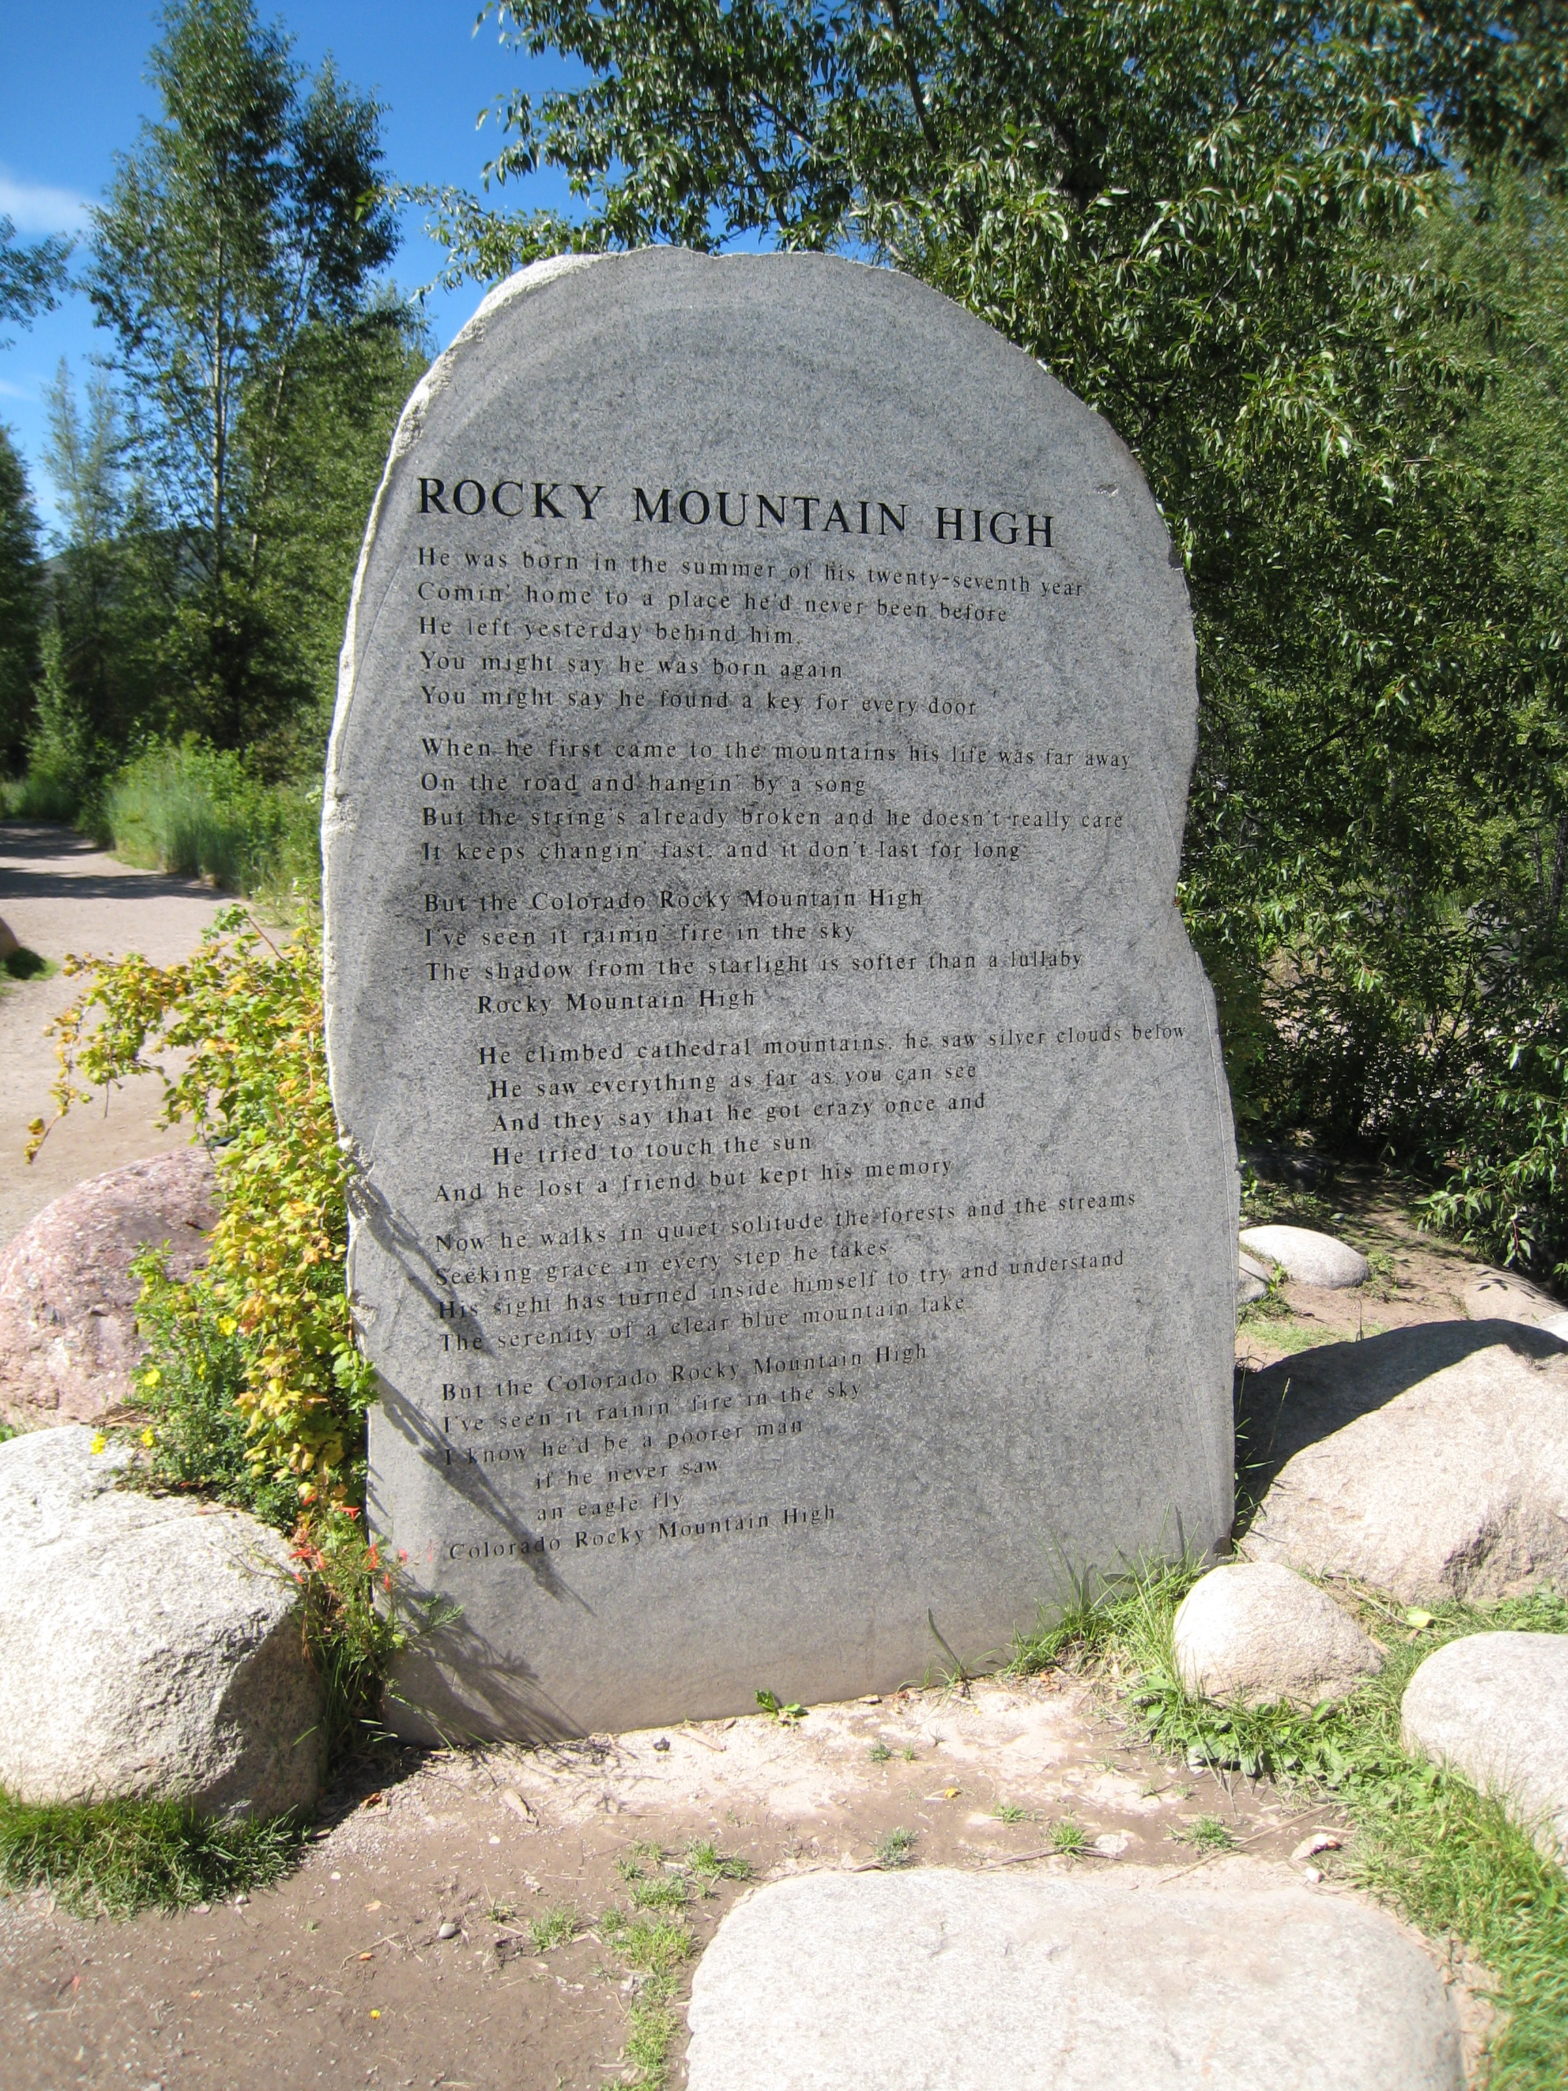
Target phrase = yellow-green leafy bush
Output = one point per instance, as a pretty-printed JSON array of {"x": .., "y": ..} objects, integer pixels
[{"x": 254, "y": 1384}]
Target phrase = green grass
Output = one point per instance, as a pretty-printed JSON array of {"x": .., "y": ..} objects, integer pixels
[
  {"x": 557, "y": 1927},
  {"x": 896, "y": 1849},
  {"x": 707, "y": 1863},
  {"x": 1068, "y": 1836},
  {"x": 653, "y": 1942},
  {"x": 114, "y": 1858},
  {"x": 22, "y": 964},
  {"x": 201, "y": 811},
  {"x": 1205, "y": 1833},
  {"x": 1441, "y": 1854}
]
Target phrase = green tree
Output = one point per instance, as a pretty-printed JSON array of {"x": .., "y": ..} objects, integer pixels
[
  {"x": 103, "y": 600},
  {"x": 31, "y": 278},
  {"x": 240, "y": 239},
  {"x": 1214, "y": 219},
  {"x": 21, "y": 603}
]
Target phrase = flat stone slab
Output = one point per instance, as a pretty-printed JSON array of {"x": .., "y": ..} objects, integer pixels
[
  {"x": 1309, "y": 1257},
  {"x": 938, "y": 1980},
  {"x": 1494, "y": 1708}
]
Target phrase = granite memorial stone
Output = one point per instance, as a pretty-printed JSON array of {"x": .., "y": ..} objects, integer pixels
[{"x": 794, "y": 1209}]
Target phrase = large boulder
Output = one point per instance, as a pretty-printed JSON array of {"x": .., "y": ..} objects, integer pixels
[
  {"x": 1252, "y": 1631},
  {"x": 1309, "y": 1257},
  {"x": 1505, "y": 1296},
  {"x": 1431, "y": 1462},
  {"x": 944, "y": 1981},
  {"x": 68, "y": 1341},
  {"x": 1494, "y": 1708},
  {"x": 150, "y": 1646}
]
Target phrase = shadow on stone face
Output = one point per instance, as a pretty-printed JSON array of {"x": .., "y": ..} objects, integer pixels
[{"x": 1308, "y": 1397}]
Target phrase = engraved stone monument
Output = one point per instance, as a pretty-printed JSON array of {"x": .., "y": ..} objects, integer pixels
[{"x": 794, "y": 1217}]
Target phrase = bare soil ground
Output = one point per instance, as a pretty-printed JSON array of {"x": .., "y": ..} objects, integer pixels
[{"x": 342, "y": 1974}]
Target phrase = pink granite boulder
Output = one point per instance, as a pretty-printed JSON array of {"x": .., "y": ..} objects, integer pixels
[{"x": 68, "y": 1340}]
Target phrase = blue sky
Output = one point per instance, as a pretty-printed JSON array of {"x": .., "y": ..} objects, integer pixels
[{"x": 72, "y": 95}]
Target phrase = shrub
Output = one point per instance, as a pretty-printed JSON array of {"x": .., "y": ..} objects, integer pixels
[{"x": 256, "y": 1388}]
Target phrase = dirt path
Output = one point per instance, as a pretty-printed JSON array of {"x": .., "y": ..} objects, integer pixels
[{"x": 58, "y": 894}]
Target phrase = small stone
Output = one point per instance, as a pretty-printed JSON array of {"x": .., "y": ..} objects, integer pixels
[
  {"x": 1311, "y": 1873},
  {"x": 663, "y": 1743},
  {"x": 1309, "y": 1257},
  {"x": 1252, "y": 1279},
  {"x": 447, "y": 1929},
  {"x": 1320, "y": 1840},
  {"x": 1494, "y": 1708},
  {"x": 1254, "y": 1632}
]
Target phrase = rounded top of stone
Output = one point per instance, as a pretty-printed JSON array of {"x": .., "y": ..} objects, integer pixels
[{"x": 1308, "y": 1256}]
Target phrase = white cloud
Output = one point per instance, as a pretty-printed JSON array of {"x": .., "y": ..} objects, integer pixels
[
  {"x": 34, "y": 207},
  {"x": 10, "y": 391}
]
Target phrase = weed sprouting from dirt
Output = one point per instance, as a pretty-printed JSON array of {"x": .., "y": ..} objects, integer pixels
[
  {"x": 707, "y": 1863},
  {"x": 557, "y": 1927},
  {"x": 1205, "y": 1833},
  {"x": 896, "y": 1849}
]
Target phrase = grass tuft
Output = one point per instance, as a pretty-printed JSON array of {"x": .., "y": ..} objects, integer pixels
[
  {"x": 706, "y": 1862},
  {"x": 896, "y": 1849},
  {"x": 113, "y": 1858},
  {"x": 557, "y": 1927}
]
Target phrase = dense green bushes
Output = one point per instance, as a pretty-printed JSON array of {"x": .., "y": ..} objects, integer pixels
[{"x": 203, "y": 811}]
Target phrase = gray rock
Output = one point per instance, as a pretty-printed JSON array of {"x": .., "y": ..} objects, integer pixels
[
  {"x": 1504, "y": 1296},
  {"x": 1309, "y": 1257},
  {"x": 149, "y": 1646},
  {"x": 1431, "y": 1462},
  {"x": 1252, "y": 1279},
  {"x": 945, "y": 1981},
  {"x": 68, "y": 1340},
  {"x": 1253, "y": 1631},
  {"x": 1494, "y": 1708},
  {"x": 796, "y": 1199},
  {"x": 9, "y": 944}
]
